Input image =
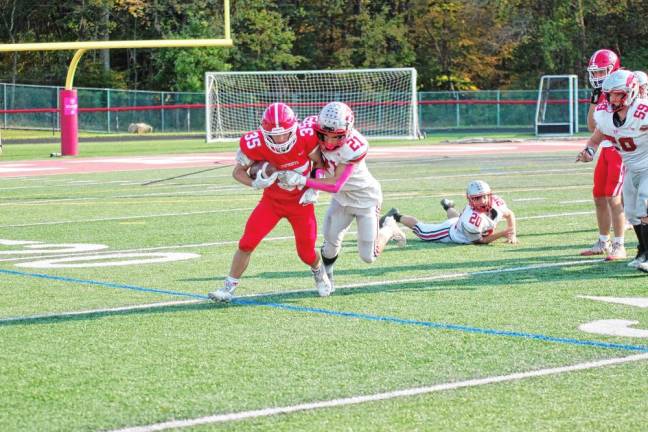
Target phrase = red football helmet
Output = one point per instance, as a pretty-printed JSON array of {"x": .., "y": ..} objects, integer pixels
[
  {"x": 334, "y": 125},
  {"x": 475, "y": 192},
  {"x": 279, "y": 127},
  {"x": 602, "y": 63}
]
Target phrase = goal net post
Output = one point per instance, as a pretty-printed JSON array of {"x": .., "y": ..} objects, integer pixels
[
  {"x": 557, "y": 106},
  {"x": 384, "y": 100}
]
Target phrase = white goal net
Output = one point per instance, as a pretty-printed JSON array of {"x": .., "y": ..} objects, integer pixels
[
  {"x": 383, "y": 100},
  {"x": 557, "y": 106}
]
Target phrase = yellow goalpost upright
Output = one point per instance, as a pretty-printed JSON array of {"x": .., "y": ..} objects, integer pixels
[{"x": 69, "y": 106}]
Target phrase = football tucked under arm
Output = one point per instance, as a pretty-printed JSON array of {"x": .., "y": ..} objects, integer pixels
[{"x": 265, "y": 169}]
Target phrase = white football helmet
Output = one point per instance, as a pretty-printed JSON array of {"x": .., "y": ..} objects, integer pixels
[
  {"x": 475, "y": 191},
  {"x": 334, "y": 125},
  {"x": 621, "y": 82},
  {"x": 642, "y": 82}
]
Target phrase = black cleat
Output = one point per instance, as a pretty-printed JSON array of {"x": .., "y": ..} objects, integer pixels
[
  {"x": 447, "y": 204},
  {"x": 392, "y": 212}
]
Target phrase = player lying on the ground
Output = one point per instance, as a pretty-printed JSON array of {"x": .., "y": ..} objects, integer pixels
[
  {"x": 624, "y": 122},
  {"x": 357, "y": 194},
  {"x": 283, "y": 143},
  {"x": 475, "y": 224}
]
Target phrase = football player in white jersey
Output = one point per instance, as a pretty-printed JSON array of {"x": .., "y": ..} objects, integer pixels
[
  {"x": 624, "y": 122},
  {"x": 474, "y": 225},
  {"x": 608, "y": 172},
  {"x": 356, "y": 193}
]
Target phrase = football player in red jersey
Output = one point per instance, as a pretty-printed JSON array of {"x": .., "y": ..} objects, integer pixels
[
  {"x": 609, "y": 170},
  {"x": 286, "y": 145}
]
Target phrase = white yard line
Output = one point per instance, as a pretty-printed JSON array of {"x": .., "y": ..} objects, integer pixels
[
  {"x": 339, "y": 287},
  {"x": 98, "y": 311},
  {"x": 231, "y": 242},
  {"x": 355, "y": 400}
]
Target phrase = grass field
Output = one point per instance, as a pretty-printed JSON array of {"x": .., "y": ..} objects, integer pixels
[{"x": 91, "y": 345}]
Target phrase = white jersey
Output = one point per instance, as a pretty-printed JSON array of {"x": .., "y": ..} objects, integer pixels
[
  {"x": 472, "y": 226},
  {"x": 361, "y": 189},
  {"x": 631, "y": 138}
]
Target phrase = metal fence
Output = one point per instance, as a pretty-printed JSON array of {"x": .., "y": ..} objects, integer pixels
[{"x": 112, "y": 111}]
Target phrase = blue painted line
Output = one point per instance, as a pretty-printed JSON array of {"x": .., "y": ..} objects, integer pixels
[
  {"x": 103, "y": 284},
  {"x": 353, "y": 315},
  {"x": 444, "y": 326}
]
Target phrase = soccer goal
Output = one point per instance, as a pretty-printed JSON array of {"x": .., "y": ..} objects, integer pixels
[
  {"x": 383, "y": 100},
  {"x": 557, "y": 106}
]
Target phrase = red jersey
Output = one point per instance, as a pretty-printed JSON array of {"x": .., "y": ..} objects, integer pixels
[{"x": 297, "y": 158}]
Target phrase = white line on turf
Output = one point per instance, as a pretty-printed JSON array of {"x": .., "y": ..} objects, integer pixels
[
  {"x": 230, "y": 242},
  {"x": 98, "y": 311},
  {"x": 347, "y": 286},
  {"x": 355, "y": 400}
]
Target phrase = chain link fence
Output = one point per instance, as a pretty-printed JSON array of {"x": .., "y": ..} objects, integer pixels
[{"x": 112, "y": 111}]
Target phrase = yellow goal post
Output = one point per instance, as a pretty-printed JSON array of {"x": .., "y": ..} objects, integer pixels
[{"x": 69, "y": 104}]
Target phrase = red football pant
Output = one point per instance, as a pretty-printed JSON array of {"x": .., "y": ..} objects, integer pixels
[
  {"x": 269, "y": 212},
  {"x": 608, "y": 173}
]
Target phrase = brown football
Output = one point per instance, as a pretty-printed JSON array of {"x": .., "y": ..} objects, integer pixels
[{"x": 261, "y": 165}]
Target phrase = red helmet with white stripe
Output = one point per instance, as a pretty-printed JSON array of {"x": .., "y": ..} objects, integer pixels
[
  {"x": 602, "y": 63},
  {"x": 279, "y": 127}
]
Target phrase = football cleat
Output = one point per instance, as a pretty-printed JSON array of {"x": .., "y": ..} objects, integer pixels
[
  {"x": 447, "y": 204},
  {"x": 643, "y": 267},
  {"x": 223, "y": 295},
  {"x": 397, "y": 235},
  {"x": 391, "y": 213},
  {"x": 322, "y": 282},
  {"x": 617, "y": 252},
  {"x": 639, "y": 259},
  {"x": 600, "y": 247}
]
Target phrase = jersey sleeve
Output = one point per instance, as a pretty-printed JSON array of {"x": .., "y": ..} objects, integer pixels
[
  {"x": 250, "y": 145},
  {"x": 355, "y": 149}
]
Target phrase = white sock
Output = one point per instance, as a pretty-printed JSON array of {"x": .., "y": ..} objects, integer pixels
[
  {"x": 604, "y": 238},
  {"x": 619, "y": 240},
  {"x": 229, "y": 280}
]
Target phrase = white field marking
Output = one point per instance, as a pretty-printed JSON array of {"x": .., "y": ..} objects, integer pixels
[
  {"x": 407, "y": 195},
  {"x": 57, "y": 248},
  {"x": 159, "y": 215},
  {"x": 614, "y": 327},
  {"x": 95, "y": 260},
  {"x": 355, "y": 400},
  {"x": 541, "y": 172},
  {"x": 576, "y": 201},
  {"x": 158, "y": 248},
  {"x": 97, "y": 311},
  {"x": 231, "y": 242},
  {"x": 528, "y": 199},
  {"x": 555, "y": 215},
  {"x": 641, "y": 302},
  {"x": 438, "y": 277},
  {"x": 14, "y": 168},
  {"x": 338, "y": 287}
]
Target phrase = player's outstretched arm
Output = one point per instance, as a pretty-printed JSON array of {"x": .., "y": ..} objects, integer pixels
[
  {"x": 495, "y": 236},
  {"x": 336, "y": 182}
]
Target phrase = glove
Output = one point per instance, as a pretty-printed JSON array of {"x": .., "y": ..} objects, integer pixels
[
  {"x": 309, "y": 197},
  {"x": 596, "y": 94},
  {"x": 262, "y": 182},
  {"x": 292, "y": 179},
  {"x": 586, "y": 155}
]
